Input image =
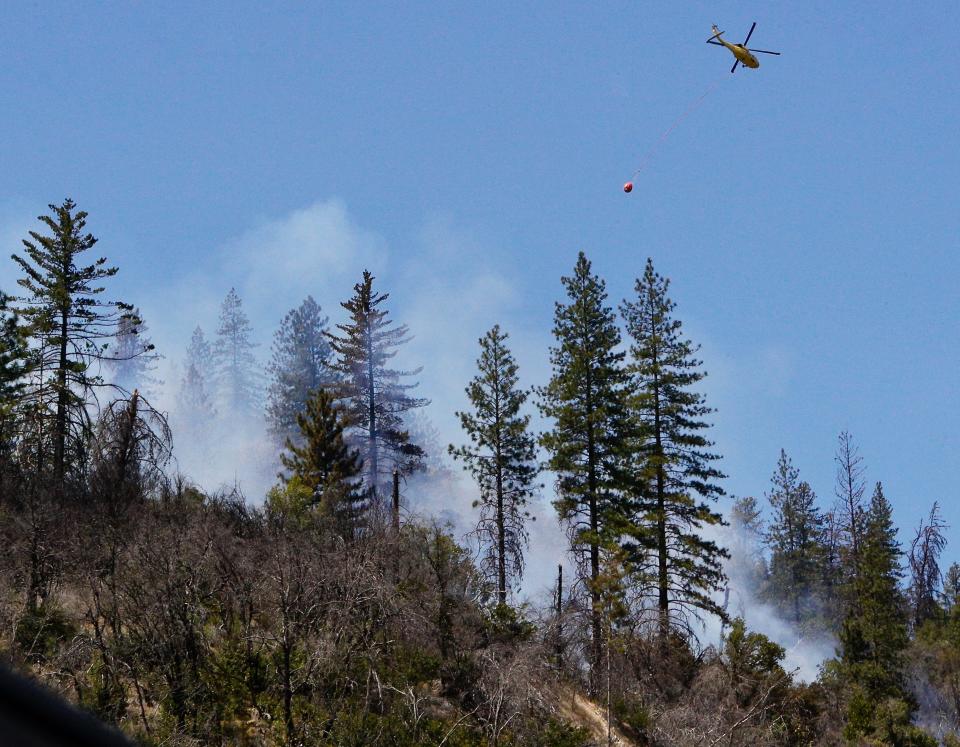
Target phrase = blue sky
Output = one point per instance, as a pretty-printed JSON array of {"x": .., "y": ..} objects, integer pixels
[{"x": 806, "y": 211}]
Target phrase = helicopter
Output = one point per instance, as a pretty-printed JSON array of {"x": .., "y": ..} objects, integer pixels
[{"x": 744, "y": 56}]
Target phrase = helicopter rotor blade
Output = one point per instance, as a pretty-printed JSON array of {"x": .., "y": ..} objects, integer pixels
[
  {"x": 750, "y": 33},
  {"x": 762, "y": 51},
  {"x": 711, "y": 41},
  {"x": 734, "y": 68}
]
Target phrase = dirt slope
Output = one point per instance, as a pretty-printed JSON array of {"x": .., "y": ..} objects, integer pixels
[{"x": 583, "y": 712}]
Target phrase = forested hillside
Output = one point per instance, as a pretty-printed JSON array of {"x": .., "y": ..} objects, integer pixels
[{"x": 332, "y": 612}]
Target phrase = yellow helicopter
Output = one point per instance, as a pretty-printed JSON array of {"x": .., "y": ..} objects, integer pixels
[{"x": 744, "y": 56}]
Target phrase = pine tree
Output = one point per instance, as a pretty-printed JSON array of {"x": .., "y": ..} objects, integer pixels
[
  {"x": 747, "y": 516},
  {"x": 299, "y": 366},
  {"x": 236, "y": 366},
  {"x": 13, "y": 356},
  {"x": 70, "y": 325},
  {"x": 131, "y": 357},
  {"x": 374, "y": 396},
  {"x": 324, "y": 463},
  {"x": 501, "y": 456},
  {"x": 873, "y": 637},
  {"x": 682, "y": 480},
  {"x": 749, "y": 567},
  {"x": 925, "y": 551},
  {"x": 587, "y": 443},
  {"x": 850, "y": 513},
  {"x": 14, "y": 366},
  {"x": 951, "y": 587},
  {"x": 795, "y": 539},
  {"x": 195, "y": 402}
]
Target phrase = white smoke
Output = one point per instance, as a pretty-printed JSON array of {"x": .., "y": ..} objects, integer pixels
[
  {"x": 805, "y": 653},
  {"x": 449, "y": 288}
]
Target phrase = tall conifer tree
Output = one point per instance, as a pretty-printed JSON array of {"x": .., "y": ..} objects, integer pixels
[
  {"x": 196, "y": 386},
  {"x": 195, "y": 413},
  {"x": 13, "y": 369},
  {"x": 298, "y": 367},
  {"x": 374, "y": 396},
  {"x": 951, "y": 587},
  {"x": 874, "y": 637},
  {"x": 13, "y": 355},
  {"x": 70, "y": 324},
  {"x": 501, "y": 456},
  {"x": 236, "y": 365},
  {"x": 586, "y": 400},
  {"x": 674, "y": 500},
  {"x": 850, "y": 513},
  {"x": 832, "y": 580},
  {"x": 749, "y": 568},
  {"x": 795, "y": 539}
]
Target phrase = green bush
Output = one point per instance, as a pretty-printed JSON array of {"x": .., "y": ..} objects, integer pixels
[
  {"x": 632, "y": 714},
  {"x": 559, "y": 734},
  {"x": 41, "y": 633}
]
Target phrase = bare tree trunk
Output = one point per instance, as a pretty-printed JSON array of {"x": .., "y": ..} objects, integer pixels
[
  {"x": 396, "y": 525},
  {"x": 559, "y": 617},
  {"x": 592, "y": 486},
  {"x": 501, "y": 541},
  {"x": 372, "y": 415},
  {"x": 59, "y": 455},
  {"x": 663, "y": 579},
  {"x": 287, "y": 693},
  {"x": 609, "y": 732}
]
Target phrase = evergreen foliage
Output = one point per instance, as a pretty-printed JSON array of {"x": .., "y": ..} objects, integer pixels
[
  {"x": 873, "y": 637},
  {"x": 14, "y": 366},
  {"x": 70, "y": 325},
  {"x": 680, "y": 479},
  {"x": 235, "y": 365},
  {"x": 182, "y": 616},
  {"x": 13, "y": 356},
  {"x": 747, "y": 516},
  {"x": 196, "y": 396},
  {"x": 795, "y": 539},
  {"x": 374, "y": 396},
  {"x": 753, "y": 661},
  {"x": 951, "y": 587},
  {"x": 501, "y": 457},
  {"x": 749, "y": 568},
  {"x": 298, "y": 367},
  {"x": 832, "y": 581},
  {"x": 324, "y": 463},
  {"x": 587, "y": 443}
]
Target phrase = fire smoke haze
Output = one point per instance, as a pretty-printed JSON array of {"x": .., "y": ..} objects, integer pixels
[
  {"x": 450, "y": 287},
  {"x": 282, "y": 152}
]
